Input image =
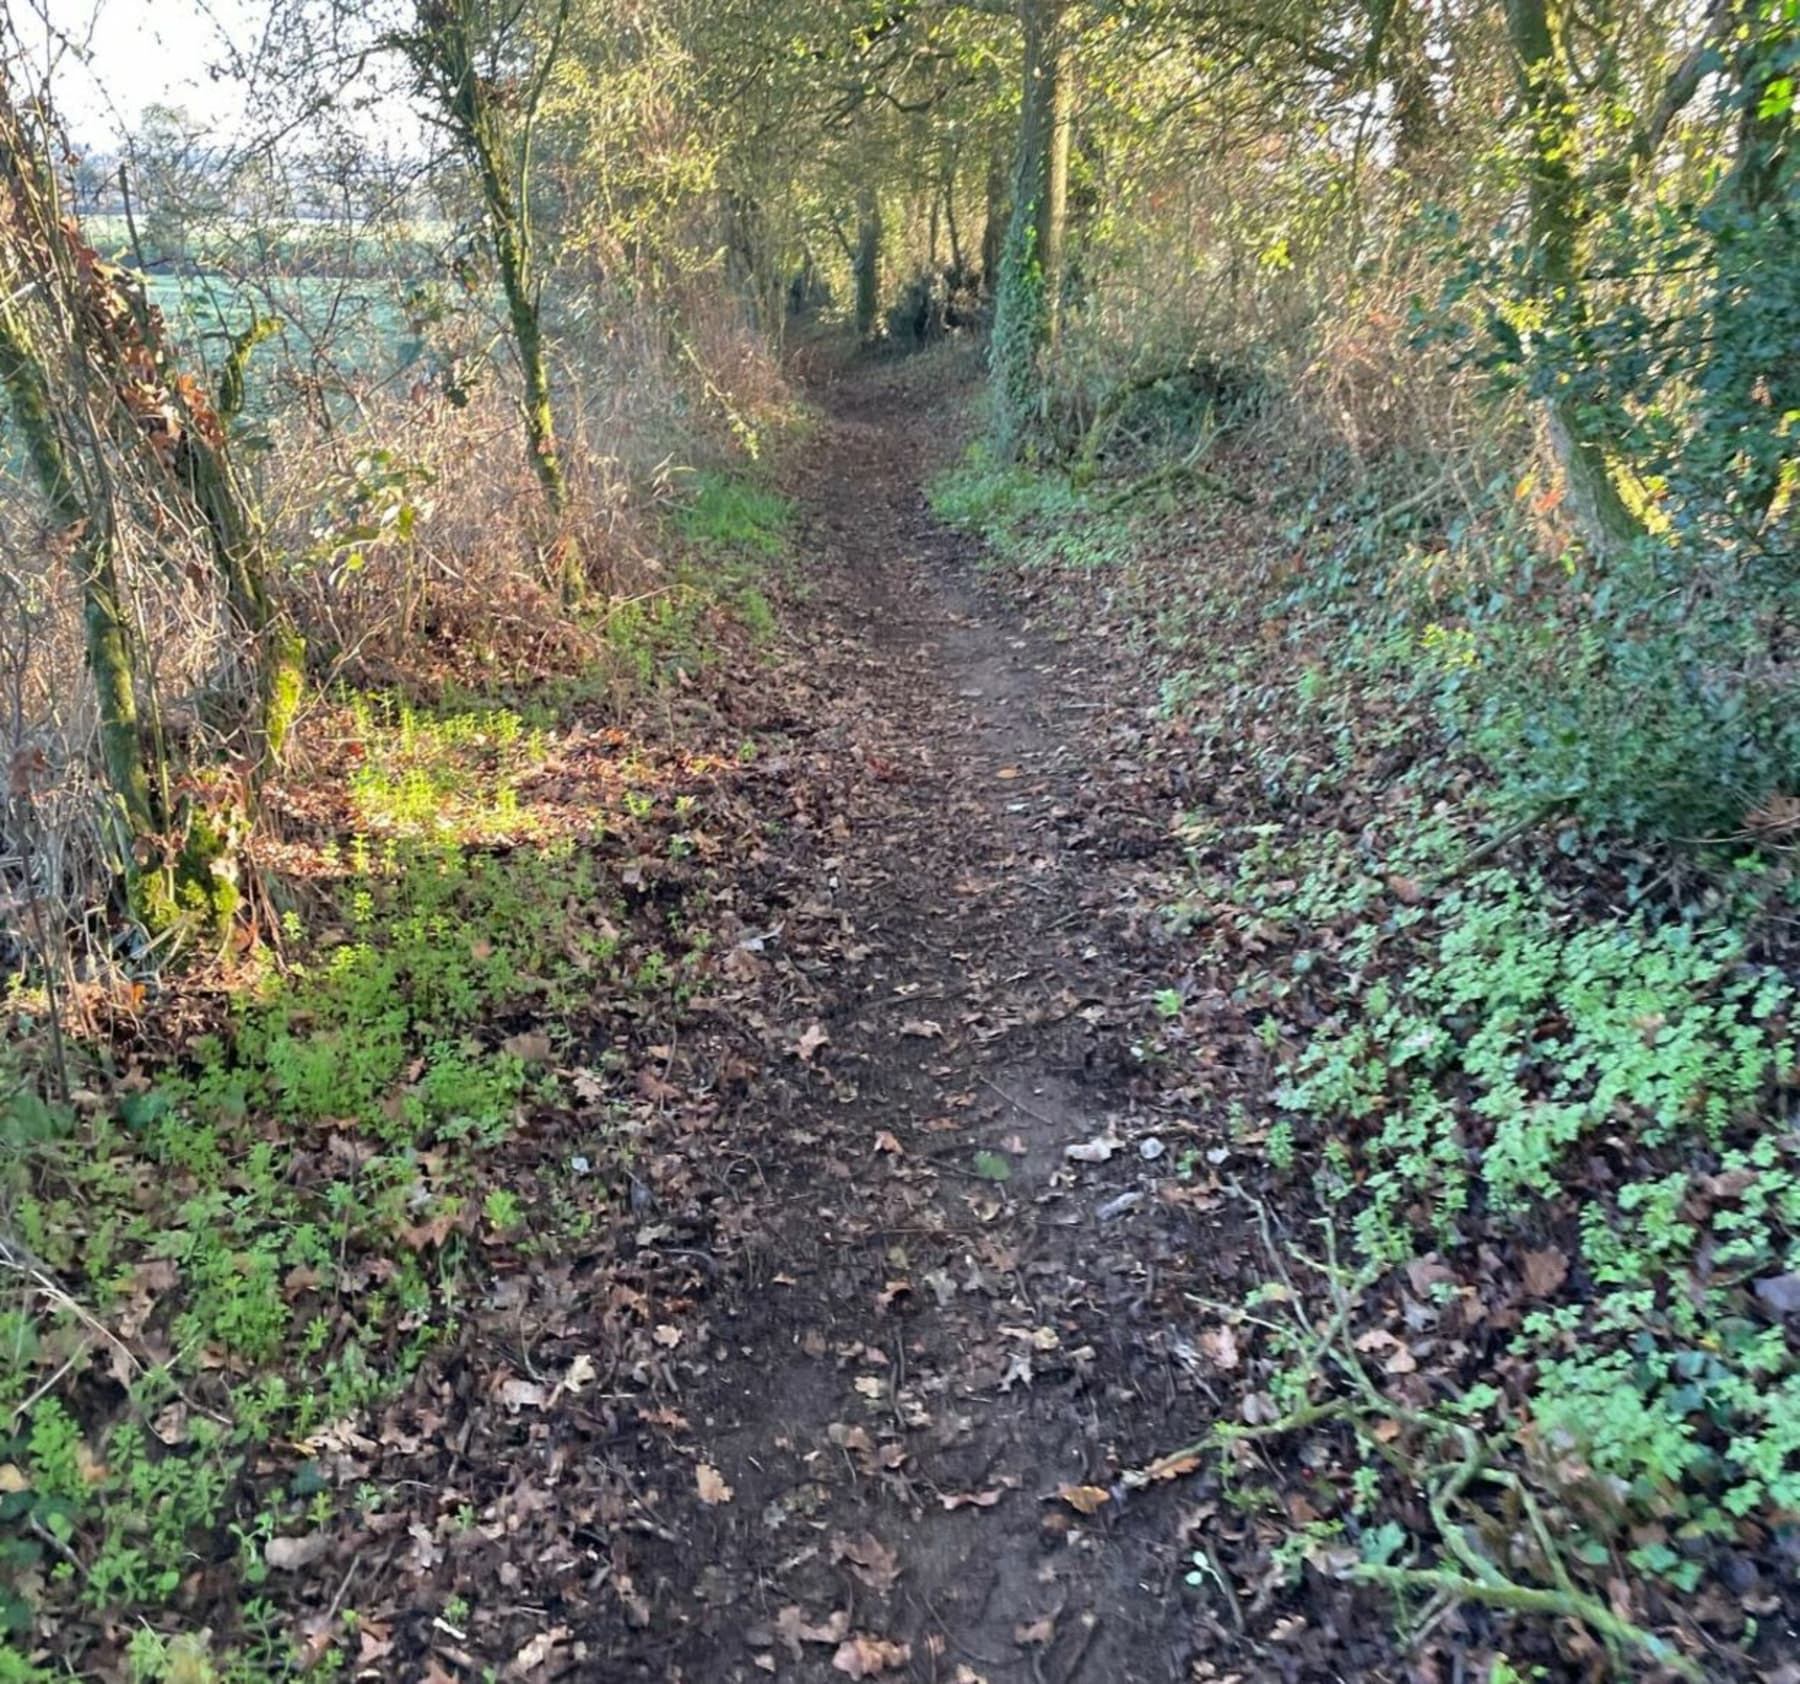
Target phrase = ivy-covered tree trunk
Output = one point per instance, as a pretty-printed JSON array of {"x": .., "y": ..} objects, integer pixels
[
  {"x": 1053, "y": 206},
  {"x": 106, "y": 635},
  {"x": 868, "y": 263},
  {"x": 1021, "y": 314},
  {"x": 1556, "y": 214},
  {"x": 1760, "y": 223}
]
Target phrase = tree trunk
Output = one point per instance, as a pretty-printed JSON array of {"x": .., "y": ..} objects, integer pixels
[
  {"x": 106, "y": 636},
  {"x": 1021, "y": 318},
  {"x": 868, "y": 263},
  {"x": 1765, "y": 155},
  {"x": 956, "y": 249},
  {"x": 993, "y": 233},
  {"x": 1053, "y": 207},
  {"x": 1399, "y": 57},
  {"x": 1556, "y": 212},
  {"x": 443, "y": 51}
]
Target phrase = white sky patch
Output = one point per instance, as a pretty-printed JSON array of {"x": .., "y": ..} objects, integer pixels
[{"x": 106, "y": 60}]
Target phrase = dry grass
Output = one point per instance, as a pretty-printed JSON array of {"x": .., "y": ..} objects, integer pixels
[{"x": 414, "y": 549}]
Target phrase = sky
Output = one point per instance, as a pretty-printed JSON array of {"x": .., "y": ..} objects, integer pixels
[{"x": 108, "y": 59}]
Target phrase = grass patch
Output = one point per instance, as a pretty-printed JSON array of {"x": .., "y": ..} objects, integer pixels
[{"x": 727, "y": 512}]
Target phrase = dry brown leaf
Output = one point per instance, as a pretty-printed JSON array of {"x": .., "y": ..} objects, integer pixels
[
  {"x": 1173, "y": 1466},
  {"x": 1084, "y": 1499},
  {"x": 968, "y": 1499},
  {"x": 793, "y": 1628},
  {"x": 538, "y": 1652},
  {"x": 581, "y": 1374},
  {"x": 870, "y": 1560},
  {"x": 865, "y": 1657},
  {"x": 811, "y": 1039},
  {"x": 294, "y": 1555},
  {"x": 1545, "y": 1271},
  {"x": 1221, "y": 1347},
  {"x": 517, "y": 1394},
  {"x": 711, "y": 1486}
]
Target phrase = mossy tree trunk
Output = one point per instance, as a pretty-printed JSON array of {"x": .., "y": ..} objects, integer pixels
[
  {"x": 1761, "y": 186},
  {"x": 444, "y": 52},
  {"x": 1557, "y": 211},
  {"x": 1053, "y": 204},
  {"x": 106, "y": 634},
  {"x": 240, "y": 546},
  {"x": 1022, "y": 316}
]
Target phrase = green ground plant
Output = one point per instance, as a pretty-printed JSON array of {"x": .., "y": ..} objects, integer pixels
[
  {"x": 1480, "y": 1034},
  {"x": 350, "y": 1108}
]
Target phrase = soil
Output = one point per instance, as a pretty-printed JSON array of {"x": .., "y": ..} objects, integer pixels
[{"x": 876, "y": 1351}]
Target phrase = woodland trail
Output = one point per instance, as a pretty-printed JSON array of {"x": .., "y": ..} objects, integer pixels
[
  {"x": 850, "y": 1374},
  {"x": 926, "y": 1354}
]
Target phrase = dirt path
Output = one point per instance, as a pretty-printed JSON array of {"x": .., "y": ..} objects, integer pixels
[
  {"x": 840, "y": 1379},
  {"x": 942, "y": 1321}
]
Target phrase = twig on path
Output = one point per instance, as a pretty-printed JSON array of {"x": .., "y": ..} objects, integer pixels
[
  {"x": 1019, "y": 1104},
  {"x": 974, "y": 1654},
  {"x": 1079, "y": 1659}
]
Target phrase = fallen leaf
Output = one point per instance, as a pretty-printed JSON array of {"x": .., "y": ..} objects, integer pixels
[
  {"x": 531, "y": 1045},
  {"x": 1221, "y": 1347},
  {"x": 537, "y": 1652},
  {"x": 1095, "y": 1151},
  {"x": 793, "y": 1628},
  {"x": 1545, "y": 1272},
  {"x": 375, "y": 1641},
  {"x": 710, "y": 1484},
  {"x": 865, "y": 1657},
  {"x": 519, "y": 1394},
  {"x": 870, "y": 1560},
  {"x": 922, "y": 1029},
  {"x": 887, "y": 1141},
  {"x": 1084, "y": 1499},
  {"x": 1038, "y": 1634},
  {"x": 1780, "y": 1292},
  {"x": 1175, "y": 1465},
  {"x": 811, "y": 1039},
  {"x": 968, "y": 1499},
  {"x": 294, "y": 1555}
]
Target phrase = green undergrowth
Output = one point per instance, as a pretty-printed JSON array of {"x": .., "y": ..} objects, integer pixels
[
  {"x": 1536, "y": 1097},
  {"x": 1031, "y": 519},
  {"x": 243, "y": 1238},
  {"x": 724, "y": 512},
  {"x": 225, "y": 1258}
]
